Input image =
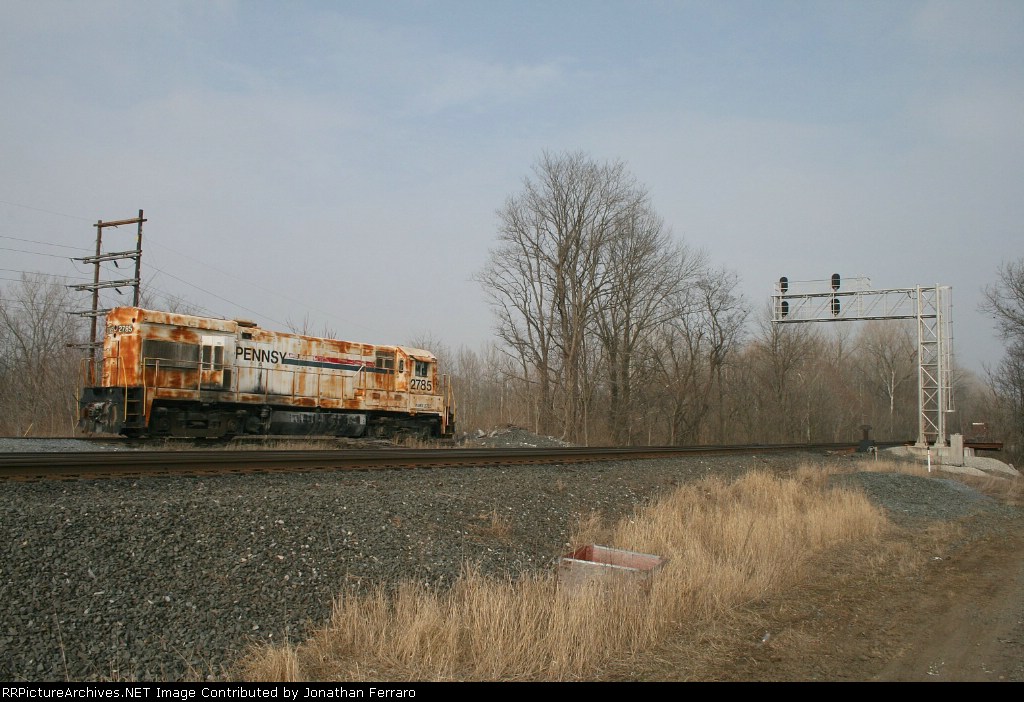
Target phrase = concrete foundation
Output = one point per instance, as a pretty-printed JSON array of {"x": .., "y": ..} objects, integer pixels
[{"x": 954, "y": 458}]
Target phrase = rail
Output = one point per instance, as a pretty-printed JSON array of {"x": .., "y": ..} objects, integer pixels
[{"x": 92, "y": 464}]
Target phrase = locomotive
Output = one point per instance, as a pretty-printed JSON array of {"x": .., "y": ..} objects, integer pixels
[{"x": 165, "y": 374}]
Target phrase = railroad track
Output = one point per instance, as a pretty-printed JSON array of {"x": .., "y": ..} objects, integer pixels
[{"x": 112, "y": 464}]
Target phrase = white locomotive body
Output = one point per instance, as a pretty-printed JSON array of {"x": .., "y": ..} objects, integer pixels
[{"x": 167, "y": 374}]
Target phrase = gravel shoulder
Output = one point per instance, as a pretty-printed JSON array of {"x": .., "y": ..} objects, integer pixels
[{"x": 171, "y": 578}]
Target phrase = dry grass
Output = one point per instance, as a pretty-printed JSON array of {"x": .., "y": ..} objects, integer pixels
[
  {"x": 492, "y": 525},
  {"x": 590, "y": 529},
  {"x": 726, "y": 544},
  {"x": 1008, "y": 490}
]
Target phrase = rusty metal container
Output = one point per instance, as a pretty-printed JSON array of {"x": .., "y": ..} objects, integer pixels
[{"x": 605, "y": 564}]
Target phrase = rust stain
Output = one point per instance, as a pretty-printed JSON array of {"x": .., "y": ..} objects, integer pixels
[
  {"x": 228, "y": 361},
  {"x": 179, "y": 334},
  {"x": 173, "y": 394}
]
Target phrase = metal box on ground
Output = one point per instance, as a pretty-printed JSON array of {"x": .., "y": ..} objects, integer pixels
[{"x": 601, "y": 563}]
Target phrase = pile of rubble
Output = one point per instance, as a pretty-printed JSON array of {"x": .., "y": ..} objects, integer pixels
[{"x": 512, "y": 436}]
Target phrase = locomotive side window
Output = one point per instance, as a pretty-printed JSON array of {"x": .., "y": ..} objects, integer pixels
[
  {"x": 385, "y": 360},
  {"x": 170, "y": 354},
  {"x": 213, "y": 357},
  {"x": 422, "y": 368}
]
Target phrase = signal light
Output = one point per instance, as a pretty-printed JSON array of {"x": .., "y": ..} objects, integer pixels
[
  {"x": 784, "y": 308},
  {"x": 835, "y": 281},
  {"x": 835, "y": 306},
  {"x": 783, "y": 284}
]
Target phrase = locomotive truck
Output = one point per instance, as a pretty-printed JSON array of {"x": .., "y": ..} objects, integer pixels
[{"x": 168, "y": 374}]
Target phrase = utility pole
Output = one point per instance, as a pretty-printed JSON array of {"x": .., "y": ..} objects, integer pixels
[{"x": 97, "y": 284}]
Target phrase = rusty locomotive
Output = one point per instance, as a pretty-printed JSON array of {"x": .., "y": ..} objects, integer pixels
[{"x": 167, "y": 375}]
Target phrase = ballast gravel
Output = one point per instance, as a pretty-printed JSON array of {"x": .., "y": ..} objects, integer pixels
[{"x": 171, "y": 578}]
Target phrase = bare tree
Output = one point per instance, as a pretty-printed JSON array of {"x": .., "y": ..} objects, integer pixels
[
  {"x": 39, "y": 371},
  {"x": 595, "y": 300},
  {"x": 825, "y": 395},
  {"x": 1007, "y": 382},
  {"x": 695, "y": 347},
  {"x": 1004, "y": 301},
  {"x": 724, "y": 314},
  {"x": 974, "y": 401},
  {"x": 648, "y": 280},
  {"x": 779, "y": 357},
  {"x": 549, "y": 270},
  {"x": 888, "y": 361},
  {"x": 152, "y": 298},
  {"x": 469, "y": 379}
]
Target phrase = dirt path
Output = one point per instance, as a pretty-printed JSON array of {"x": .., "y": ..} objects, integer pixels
[
  {"x": 967, "y": 621},
  {"x": 938, "y": 602}
]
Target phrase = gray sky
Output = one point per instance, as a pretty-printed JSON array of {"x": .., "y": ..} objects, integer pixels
[{"x": 344, "y": 160}]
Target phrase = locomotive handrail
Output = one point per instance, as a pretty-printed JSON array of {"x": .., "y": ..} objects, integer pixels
[
  {"x": 82, "y": 362},
  {"x": 448, "y": 408},
  {"x": 119, "y": 373},
  {"x": 156, "y": 376},
  {"x": 198, "y": 367},
  {"x": 360, "y": 377},
  {"x": 156, "y": 367},
  {"x": 360, "y": 384}
]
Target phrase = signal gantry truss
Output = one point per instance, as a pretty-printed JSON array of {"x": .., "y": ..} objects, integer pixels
[{"x": 932, "y": 307}]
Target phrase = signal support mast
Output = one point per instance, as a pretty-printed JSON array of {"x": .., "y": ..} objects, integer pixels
[{"x": 795, "y": 302}]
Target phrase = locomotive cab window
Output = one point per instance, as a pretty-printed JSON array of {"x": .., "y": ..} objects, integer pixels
[
  {"x": 385, "y": 360},
  {"x": 421, "y": 377}
]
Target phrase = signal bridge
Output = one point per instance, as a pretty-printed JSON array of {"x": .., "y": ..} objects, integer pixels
[{"x": 830, "y": 301}]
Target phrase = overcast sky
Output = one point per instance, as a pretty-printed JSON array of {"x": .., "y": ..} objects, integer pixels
[{"x": 343, "y": 161}]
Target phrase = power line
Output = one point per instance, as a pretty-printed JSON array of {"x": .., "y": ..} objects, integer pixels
[
  {"x": 39, "y": 209},
  {"x": 272, "y": 293},
  {"x": 47, "y": 275},
  {"x": 43, "y": 243},
  {"x": 34, "y": 253},
  {"x": 224, "y": 299}
]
